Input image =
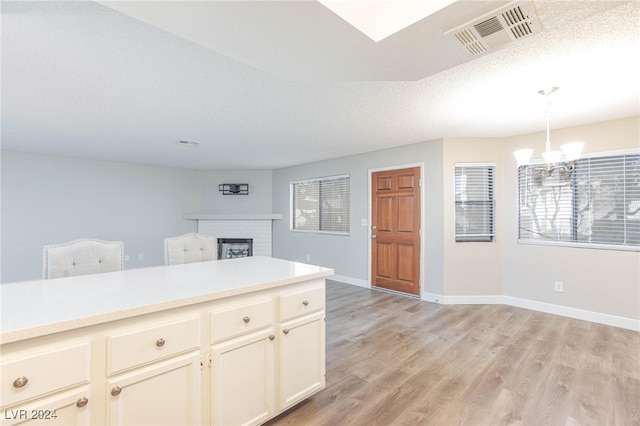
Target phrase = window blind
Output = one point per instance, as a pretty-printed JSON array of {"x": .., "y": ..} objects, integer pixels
[
  {"x": 321, "y": 205},
  {"x": 475, "y": 203},
  {"x": 595, "y": 204}
]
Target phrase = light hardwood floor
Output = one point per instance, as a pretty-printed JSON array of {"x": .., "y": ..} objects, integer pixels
[{"x": 394, "y": 360}]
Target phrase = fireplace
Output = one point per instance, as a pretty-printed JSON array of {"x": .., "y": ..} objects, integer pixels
[{"x": 229, "y": 248}]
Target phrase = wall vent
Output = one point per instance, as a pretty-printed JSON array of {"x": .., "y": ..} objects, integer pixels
[{"x": 498, "y": 28}]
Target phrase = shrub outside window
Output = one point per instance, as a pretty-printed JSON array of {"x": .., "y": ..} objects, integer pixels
[{"x": 594, "y": 202}]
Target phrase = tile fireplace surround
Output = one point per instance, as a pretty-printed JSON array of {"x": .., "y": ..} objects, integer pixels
[{"x": 256, "y": 226}]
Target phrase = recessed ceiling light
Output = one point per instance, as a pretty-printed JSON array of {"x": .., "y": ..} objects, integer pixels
[{"x": 189, "y": 143}]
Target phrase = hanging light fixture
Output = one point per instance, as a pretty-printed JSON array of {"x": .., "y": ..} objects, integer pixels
[{"x": 571, "y": 151}]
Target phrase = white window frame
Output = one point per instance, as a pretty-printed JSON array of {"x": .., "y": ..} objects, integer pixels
[
  {"x": 463, "y": 237},
  {"x": 570, "y": 243},
  {"x": 319, "y": 180}
]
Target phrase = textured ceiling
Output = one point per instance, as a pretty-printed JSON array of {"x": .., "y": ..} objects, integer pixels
[{"x": 269, "y": 84}]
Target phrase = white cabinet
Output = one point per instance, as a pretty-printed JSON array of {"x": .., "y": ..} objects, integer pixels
[
  {"x": 166, "y": 393},
  {"x": 242, "y": 379},
  {"x": 237, "y": 360},
  {"x": 242, "y": 354},
  {"x": 302, "y": 358},
  {"x": 48, "y": 387},
  {"x": 69, "y": 408},
  {"x": 301, "y": 345},
  {"x": 267, "y": 355},
  {"x": 149, "y": 382}
]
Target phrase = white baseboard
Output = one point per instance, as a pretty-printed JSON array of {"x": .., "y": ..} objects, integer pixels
[
  {"x": 348, "y": 280},
  {"x": 565, "y": 311},
  {"x": 463, "y": 300},
  {"x": 581, "y": 314}
]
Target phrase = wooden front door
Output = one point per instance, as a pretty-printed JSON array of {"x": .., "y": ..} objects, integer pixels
[{"x": 395, "y": 230}]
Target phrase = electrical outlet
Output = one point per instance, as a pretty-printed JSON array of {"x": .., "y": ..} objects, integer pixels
[
  {"x": 126, "y": 257},
  {"x": 308, "y": 257},
  {"x": 140, "y": 256},
  {"x": 558, "y": 286}
]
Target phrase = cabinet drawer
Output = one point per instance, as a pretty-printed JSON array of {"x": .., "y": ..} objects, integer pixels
[
  {"x": 301, "y": 303},
  {"x": 31, "y": 377},
  {"x": 242, "y": 319},
  {"x": 130, "y": 349}
]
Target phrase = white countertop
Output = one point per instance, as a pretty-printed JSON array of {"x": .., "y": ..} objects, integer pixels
[{"x": 35, "y": 308}]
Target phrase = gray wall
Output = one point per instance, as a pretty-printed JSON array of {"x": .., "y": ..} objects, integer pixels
[
  {"x": 49, "y": 199},
  {"x": 258, "y": 200},
  {"x": 599, "y": 281},
  {"x": 348, "y": 255}
]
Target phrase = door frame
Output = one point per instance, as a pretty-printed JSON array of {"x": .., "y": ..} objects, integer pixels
[{"x": 422, "y": 219}]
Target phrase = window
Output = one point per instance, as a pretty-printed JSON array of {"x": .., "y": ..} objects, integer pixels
[
  {"x": 320, "y": 205},
  {"x": 595, "y": 203},
  {"x": 475, "y": 203}
]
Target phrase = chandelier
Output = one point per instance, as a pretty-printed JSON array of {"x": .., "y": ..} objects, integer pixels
[{"x": 553, "y": 159}]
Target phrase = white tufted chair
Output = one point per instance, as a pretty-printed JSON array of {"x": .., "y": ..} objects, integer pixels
[
  {"x": 82, "y": 257},
  {"x": 190, "y": 248}
]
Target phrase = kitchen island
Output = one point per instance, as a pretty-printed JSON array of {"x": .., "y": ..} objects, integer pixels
[{"x": 233, "y": 341}]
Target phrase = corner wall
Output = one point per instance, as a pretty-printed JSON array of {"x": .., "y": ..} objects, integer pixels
[
  {"x": 49, "y": 199},
  {"x": 600, "y": 285},
  {"x": 471, "y": 269},
  {"x": 349, "y": 255},
  {"x": 596, "y": 281}
]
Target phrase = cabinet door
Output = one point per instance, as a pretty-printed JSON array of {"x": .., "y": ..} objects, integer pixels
[
  {"x": 242, "y": 379},
  {"x": 63, "y": 409},
  {"x": 302, "y": 358},
  {"x": 166, "y": 393}
]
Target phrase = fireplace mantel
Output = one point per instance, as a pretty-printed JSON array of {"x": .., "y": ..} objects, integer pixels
[
  {"x": 232, "y": 216},
  {"x": 257, "y": 226}
]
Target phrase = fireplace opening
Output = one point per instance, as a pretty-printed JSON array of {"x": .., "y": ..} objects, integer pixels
[{"x": 229, "y": 248}]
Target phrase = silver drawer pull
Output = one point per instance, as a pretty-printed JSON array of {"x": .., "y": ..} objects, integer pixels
[
  {"x": 115, "y": 391},
  {"x": 305, "y": 302},
  {"x": 285, "y": 331},
  {"x": 160, "y": 342},
  {"x": 246, "y": 319},
  {"x": 82, "y": 402},
  {"x": 20, "y": 382},
  {"x": 271, "y": 337}
]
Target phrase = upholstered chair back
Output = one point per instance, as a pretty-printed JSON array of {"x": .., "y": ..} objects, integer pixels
[
  {"x": 189, "y": 248},
  {"x": 82, "y": 257}
]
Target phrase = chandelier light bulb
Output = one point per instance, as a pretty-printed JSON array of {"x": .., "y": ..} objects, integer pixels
[
  {"x": 572, "y": 151},
  {"x": 523, "y": 156}
]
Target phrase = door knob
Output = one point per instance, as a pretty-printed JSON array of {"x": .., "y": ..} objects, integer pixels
[
  {"x": 374, "y": 227},
  {"x": 373, "y": 236}
]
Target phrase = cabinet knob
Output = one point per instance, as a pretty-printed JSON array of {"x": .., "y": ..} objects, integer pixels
[
  {"x": 82, "y": 402},
  {"x": 115, "y": 391},
  {"x": 160, "y": 342},
  {"x": 246, "y": 319},
  {"x": 285, "y": 331},
  {"x": 20, "y": 382},
  {"x": 305, "y": 302},
  {"x": 272, "y": 336}
]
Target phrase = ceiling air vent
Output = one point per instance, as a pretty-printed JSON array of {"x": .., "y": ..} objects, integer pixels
[{"x": 498, "y": 28}]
